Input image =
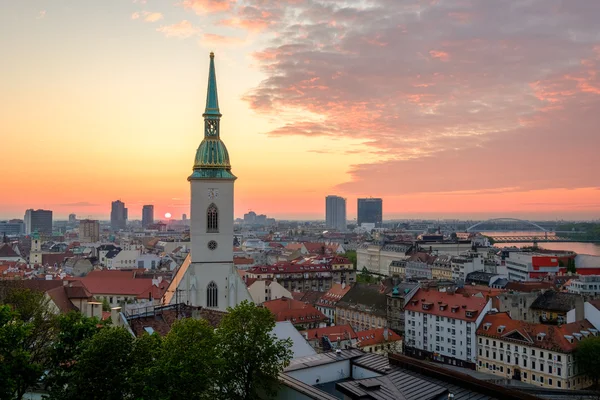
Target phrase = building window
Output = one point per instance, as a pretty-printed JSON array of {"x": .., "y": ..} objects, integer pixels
[
  {"x": 212, "y": 219},
  {"x": 550, "y": 381},
  {"x": 558, "y": 384},
  {"x": 212, "y": 295}
]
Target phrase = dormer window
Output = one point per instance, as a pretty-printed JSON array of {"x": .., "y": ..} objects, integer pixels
[
  {"x": 501, "y": 328},
  {"x": 594, "y": 332},
  {"x": 585, "y": 333},
  {"x": 569, "y": 338},
  {"x": 470, "y": 313},
  {"x": 541, "y": 336},
  {"x": 577, "y": 335},
  {"x": 486, "y": 326}
]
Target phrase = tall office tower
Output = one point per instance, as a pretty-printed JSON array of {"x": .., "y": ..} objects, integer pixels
[
  {"x": 38, "y": 221},
  {"x": 89, "y": 231},
  {"x": 335, "y": 213},
  {"x": 370, "y": 211},
  {"x": 184, "y": 217},
  {"x": 118, "y": 216},
  {"x": 147, "y": 215},
  {"x": 72, "y": 218}
]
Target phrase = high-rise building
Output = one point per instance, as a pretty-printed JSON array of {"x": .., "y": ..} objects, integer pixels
[
  {"x": 147, "y": 215},
  {"x": 335, "y": 213},
  {"x": 13, "y": 227},
  {"x": 210, "y": 280},
  {"x": 118, "y": 215},
  {"x": 184, "y": 217},
  {"x": 370, "y": 211},
  {"x": 38, "y": 221},
  {"x": 72, "y": 218},
  {"x": 89, "y": 231}
]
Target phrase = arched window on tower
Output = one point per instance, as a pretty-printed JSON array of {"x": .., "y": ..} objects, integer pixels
[
  {"x": 212, "y": 295},
  {"x": 212, "y": 219}
]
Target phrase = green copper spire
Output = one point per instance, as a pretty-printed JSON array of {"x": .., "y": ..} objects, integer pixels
[
  {"x": 212, "y": 157},
  {"x": 212, "y": 99}
]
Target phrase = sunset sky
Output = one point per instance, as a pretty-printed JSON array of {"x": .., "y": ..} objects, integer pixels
[{"x": 444, "y": 108}]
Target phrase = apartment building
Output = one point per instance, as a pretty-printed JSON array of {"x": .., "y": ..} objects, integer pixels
[
  {"x": 442, "y": 326},
  {"x": 364, "y": 307},
  {"x": 585, "y": 285},
  {"x": 534, "y": 353}
]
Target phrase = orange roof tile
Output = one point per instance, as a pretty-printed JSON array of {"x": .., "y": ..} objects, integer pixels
[
  {"x": 285, "y": 309},
  {"x": 376, "y": 336},
  {"x": 446, "y": 304},
  {"x": 341, "y": 332},
  {"x": 552, "y": 336}
]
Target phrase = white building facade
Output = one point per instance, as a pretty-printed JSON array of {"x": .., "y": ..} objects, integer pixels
[{"x": 442, "y": 326}]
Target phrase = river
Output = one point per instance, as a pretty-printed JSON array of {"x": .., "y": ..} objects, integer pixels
[{"x": 578, "y": 247}]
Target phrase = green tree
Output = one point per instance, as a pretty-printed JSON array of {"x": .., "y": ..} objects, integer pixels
[
  {"x": 100, "y": 371},
  {"x": 73, "y": 330},
  {"x": 587, "y": 356},
  {"x": 105, "y": 305},
  {"x": 144, "y": 373},
  {"x": 571, "y": 266},
  {"x": 188, "y": 361},
  {"x": 17, "y": 372},
  {"x": 33, "y": 309},
  {"x": 351, "y": 255},
  {"x": 251, "y": 356},
  {"x": 364, "y": 276}
]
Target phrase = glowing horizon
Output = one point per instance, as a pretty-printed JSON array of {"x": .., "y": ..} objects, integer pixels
[{"x": 490, "y": 114}]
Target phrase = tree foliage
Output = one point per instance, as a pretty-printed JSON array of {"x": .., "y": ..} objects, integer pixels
[
  {"x": 17, "y": 372},
  {"x": 351, "y": 255},
  {"x": 251, "y": 357},
  {"x": 82, "y": 357},
  {"x": 587, "y": 357}
]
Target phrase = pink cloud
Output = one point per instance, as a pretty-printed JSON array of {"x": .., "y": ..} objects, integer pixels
[
  {"x": 512, "y": 107},
  {"x": 441, "y": 55},
  {"x": 181, "y": 30}
]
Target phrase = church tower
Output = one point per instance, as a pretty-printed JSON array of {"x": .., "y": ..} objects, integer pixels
[{"x": 209, "y": 278}]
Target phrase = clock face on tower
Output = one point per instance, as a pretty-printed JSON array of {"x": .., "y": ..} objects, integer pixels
[{"x": 213, "y": 194}]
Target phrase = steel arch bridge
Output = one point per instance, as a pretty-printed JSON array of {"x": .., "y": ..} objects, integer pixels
[{"x": 473, "y": 227}]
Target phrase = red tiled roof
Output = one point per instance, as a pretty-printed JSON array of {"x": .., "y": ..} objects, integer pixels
[
  {"x": 528, "y": 286},
  {"x": 55, "y": 258},
  {"x": 553, "y": 336},
  {"x": 119, "y": 286},
  {"x": 333, "y": 295},
  {"x": 376, "y": 336},
  {"x": 242, "y": 261},
  {"x": 111, "y": 274},
  {"x": 446, "y": 304},
  {"x": 294, "y": 246},
  {"x": 293, "y": 310},
  {"x": 484, "y": 290},
  {"x": 341, "y": 332},
  {"x": 7, "y": 251}
]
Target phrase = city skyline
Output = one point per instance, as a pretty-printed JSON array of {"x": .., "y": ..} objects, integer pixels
[{"x": 491, "y": 116}]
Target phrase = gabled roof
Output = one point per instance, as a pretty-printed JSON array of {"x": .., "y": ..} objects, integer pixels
[
  {"x": 341, "y": 332},
  {"x": 7, "y": 251},
  {"x": 549, "y": 337},
  {"x": 333, "y": 295},
  {"x": 376, "y": 336},
  {"x": 297, "y": 312},
  {"x": 556, "y": 301},
  {"x": 366, "y": 297},
  {"x": 446, "y": 304}
]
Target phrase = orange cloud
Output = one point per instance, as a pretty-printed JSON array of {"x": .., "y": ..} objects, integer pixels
[
  {"x": 254, "y": 25},
  {"x": 181, "y": 30},
  {"x": 211, "y": 38},
  {"x": 148, "y": 16},
  {"x": 441, "y": 55},
  {"x": 208, "y": 6}
]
